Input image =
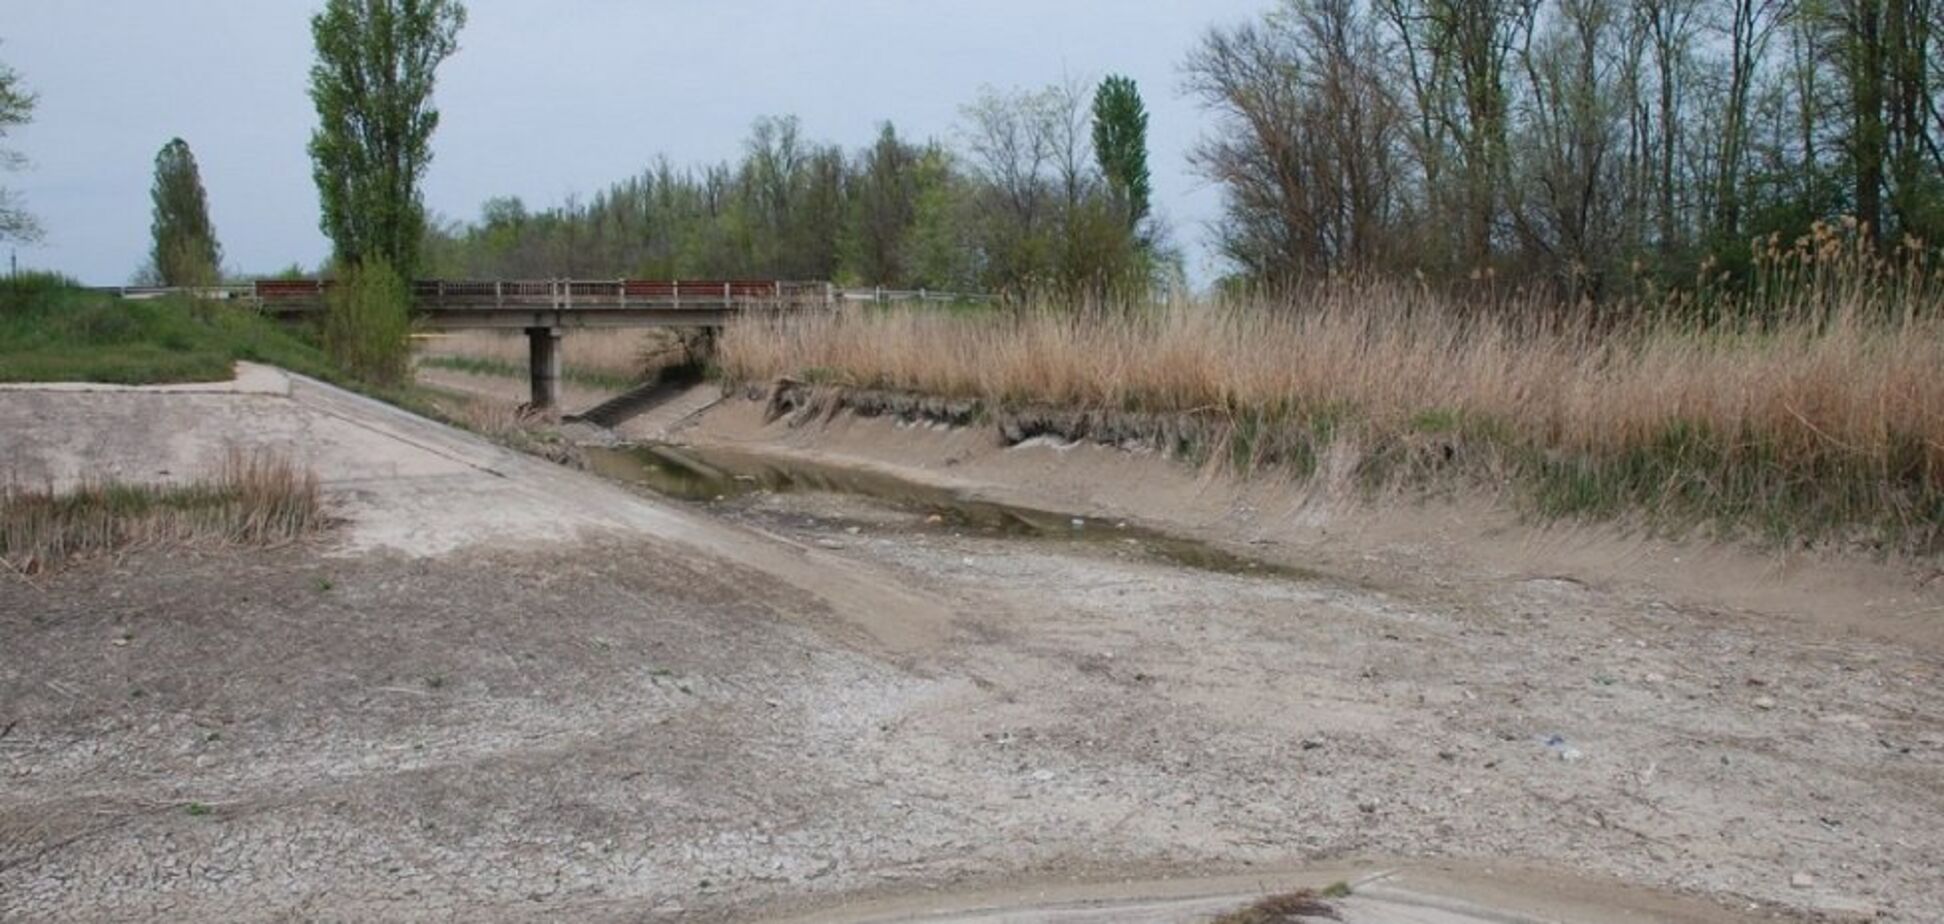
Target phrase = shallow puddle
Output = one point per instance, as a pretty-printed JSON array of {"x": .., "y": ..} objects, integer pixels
[{"x": 708, "y": 475}]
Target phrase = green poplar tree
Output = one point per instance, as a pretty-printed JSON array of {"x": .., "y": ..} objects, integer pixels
[
  {"x": 372, "y": 85},
  {"x": 185, "y": 251},
  {"x": 1120, "y": 123}
]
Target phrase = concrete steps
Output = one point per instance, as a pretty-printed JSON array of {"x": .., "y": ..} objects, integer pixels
[{"x": 629, "y": 404}]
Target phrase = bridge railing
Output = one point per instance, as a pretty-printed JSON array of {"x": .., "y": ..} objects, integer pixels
[
  {"x": 568, "y": 293},
  {"x": 881, "y": 295},
  {"x": 301, "y": 294},
  {"x": 213, "y": 293}
]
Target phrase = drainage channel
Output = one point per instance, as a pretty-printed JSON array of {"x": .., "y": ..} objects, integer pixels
[{"x": 709, "y": 475}]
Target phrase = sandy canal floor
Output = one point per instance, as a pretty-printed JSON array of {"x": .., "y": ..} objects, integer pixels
[{"x": 505, "y": 690}]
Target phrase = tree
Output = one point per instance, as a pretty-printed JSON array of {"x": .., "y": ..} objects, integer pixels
[
  {"x": 1308, "y": 149},
  {"x": 1750, "y": 25},
  {"x": 1120, "y": 124},
  {"x": 16, "y": 109},
  {"x": 885, "y": 204},
  {"x": 372, "y": 86},
  {"x": 1670, "y": 32},
  {"x": 1571, "y": 210},
  {"x": 185, "y": 251},
  {"x": 1012, "y": 142}
]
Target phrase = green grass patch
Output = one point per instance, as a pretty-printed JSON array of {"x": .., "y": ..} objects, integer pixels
[
  {"x": 54, "y": 331},
  {"x": 1688, "y": 475}
]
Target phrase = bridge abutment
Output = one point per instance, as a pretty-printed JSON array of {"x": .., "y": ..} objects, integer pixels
[{"x": 543, "y": 367}]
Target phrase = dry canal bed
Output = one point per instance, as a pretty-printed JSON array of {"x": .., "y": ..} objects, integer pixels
[{"x": 507, "y": 691}]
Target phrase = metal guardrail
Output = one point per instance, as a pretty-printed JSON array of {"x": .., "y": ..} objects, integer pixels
[
  {"x": 880, "y": 295},
  {"x": 566, "y": 293},
  {"x": 217, "y": 293},
  {"x": 520, "y": 293}
]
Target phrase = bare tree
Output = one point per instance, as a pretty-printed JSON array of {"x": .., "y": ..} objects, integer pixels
[
  {"x": 1012, "y": 145},
  {"x": 1670, "y": 29},
  {"x": 1749, "y": 26},
  {"x": 1309, "y": 154}
]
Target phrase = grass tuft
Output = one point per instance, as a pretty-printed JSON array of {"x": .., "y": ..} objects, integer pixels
[
  {"x": 253, "y": 499},
  {"x": 1285, "y": 908}
]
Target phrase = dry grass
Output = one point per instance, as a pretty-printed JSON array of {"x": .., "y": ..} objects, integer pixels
[
  {"x": 503, "y": 422},
  {"x": 253, "y": 499},
  {"x": 1825, "y": 407},
  {"x": 621, "y": 355},
  {"x": 1286, "y": 908}
]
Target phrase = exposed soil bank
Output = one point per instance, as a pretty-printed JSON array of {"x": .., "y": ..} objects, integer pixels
[
  {"x": 510, "y": 691},
  {"x": 1113, "y": 469}
]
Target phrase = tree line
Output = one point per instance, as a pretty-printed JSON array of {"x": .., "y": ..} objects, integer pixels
[
  {"x": 1585, "y": 145},
  {"x": 1047, "y": 191},
  {"x": 1589, "y": 148}
]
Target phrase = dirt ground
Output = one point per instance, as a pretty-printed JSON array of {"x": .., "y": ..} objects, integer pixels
[{"x": 503, "y": 690}]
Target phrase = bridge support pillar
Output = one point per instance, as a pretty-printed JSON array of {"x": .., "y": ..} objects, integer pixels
[{"x": 543, "y": 366}]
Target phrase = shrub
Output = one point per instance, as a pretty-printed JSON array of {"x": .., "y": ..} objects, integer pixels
[{"x": 368, "y": 322}]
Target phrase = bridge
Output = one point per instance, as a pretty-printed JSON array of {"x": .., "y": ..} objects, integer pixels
[
  {"x": 544, "y": 308},
  {"x": 541, "y": 308}
]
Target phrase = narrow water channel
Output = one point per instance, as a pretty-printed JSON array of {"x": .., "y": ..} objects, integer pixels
[{"x": 714, "y": 475}]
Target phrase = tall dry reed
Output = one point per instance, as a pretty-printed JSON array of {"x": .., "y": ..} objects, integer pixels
[{"x": 1815, "y": 401}]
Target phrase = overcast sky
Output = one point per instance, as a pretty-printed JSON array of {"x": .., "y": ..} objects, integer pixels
[{"x": 544, "y": 99}]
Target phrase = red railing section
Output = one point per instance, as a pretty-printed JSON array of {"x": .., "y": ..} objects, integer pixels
[{"x": 564, "y": 291}]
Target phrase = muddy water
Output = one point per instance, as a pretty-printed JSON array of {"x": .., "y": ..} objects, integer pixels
[{"x": 710, "y": 475}]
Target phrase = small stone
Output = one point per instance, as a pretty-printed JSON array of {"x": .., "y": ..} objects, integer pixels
[
  {"x": 830, "y": 544},
  {"x": 1846, "y": 910},
  {"x": 935, "y": 519},
  {"x": 853, "y": 530},
  {"x": 1802, "y": 881},
  {"x": 1765, "y": 702}
]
